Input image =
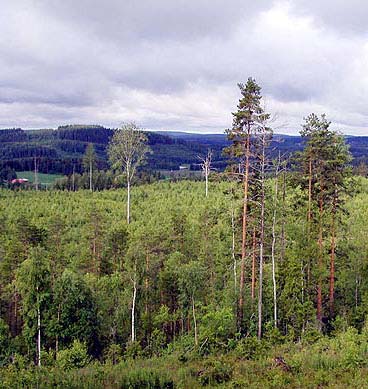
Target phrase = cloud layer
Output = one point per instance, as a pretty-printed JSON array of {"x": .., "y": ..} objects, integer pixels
[{"x": 175, "y": 65}]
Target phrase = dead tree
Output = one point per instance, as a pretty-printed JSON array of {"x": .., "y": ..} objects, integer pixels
[{"x": 206, "y": 167}]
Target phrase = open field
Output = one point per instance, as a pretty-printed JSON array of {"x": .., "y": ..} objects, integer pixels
[{"x": 44, "y": 179}]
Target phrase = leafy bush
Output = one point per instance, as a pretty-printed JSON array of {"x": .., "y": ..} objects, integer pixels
[
  {"x": 215, "y": 372},
  {"x": 113, "y": 354},
  {"x": 273, "y": 335},
  {"x": 250, "y": 348},
  {"x": 74, "y": 357},
  {"x": 217, "y": 326},
  {"x": 157, "y": 342},
  {"x": 133, "y": 350}
]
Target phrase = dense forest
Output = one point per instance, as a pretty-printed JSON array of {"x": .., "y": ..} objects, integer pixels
[
  {"x": 61, "y": 151},
  {"x": 255, "y": 276}
]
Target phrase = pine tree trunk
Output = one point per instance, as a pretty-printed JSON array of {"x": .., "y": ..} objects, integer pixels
[
  {"x": 244, "y": 233},
  {"x": 233, "y": 248},
  {"x": 332, "y": 261},
  {"x": 320, "y": 266},
  {"x": 309, "y": 218},
  {"x": 253, "y": 286}
]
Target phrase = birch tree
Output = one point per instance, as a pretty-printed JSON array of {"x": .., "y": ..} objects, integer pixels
[
  {"x": 33, "y": 282},
  {"x": 127, "y": 151}
]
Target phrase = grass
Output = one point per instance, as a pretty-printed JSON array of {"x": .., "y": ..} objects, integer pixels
[
  {"x": 44, "y": 179},
  {"x": 338, "y": 362}
]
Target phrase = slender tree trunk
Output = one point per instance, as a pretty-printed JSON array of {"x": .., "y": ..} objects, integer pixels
[
  {"x": 206, "y": 176},
  {"x": 38, "y": 332},
  {"x": 233, "y": 248},
  {"x": 35, "y": 174},
  {"x": 195, "y": 323},
  {"x": 273, "y": 251},
  {"x": 134, "y": 302},
  {"x": 283, "y": 240},
  {"x": 261, "y": 240},
  {"x": 254, "y": 256},
  {"x": 332, "y": 262},
  {"x": 146, "y": 282},
  {"x": 90, "y": 176},
  {"x": 128, "y": 201},
  {"x": 320, "y": 266},
  {"x": 244, "y": 232},
  {"x": 309, "y": 217}
]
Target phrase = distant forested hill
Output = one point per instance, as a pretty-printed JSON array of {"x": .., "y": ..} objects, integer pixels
[{"x": 61, "y": 150}]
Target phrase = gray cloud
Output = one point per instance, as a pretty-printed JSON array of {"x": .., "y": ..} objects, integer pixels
[
  {"x": 175, "y": 64},
  {"x": 345, "y": 17}
]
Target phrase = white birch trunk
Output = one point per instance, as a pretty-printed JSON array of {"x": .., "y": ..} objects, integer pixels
[
  {"x": 133, "y": 309},
  {"x": 133, "y": 303},
  {"x": 38, "y": 331},
  {"x": 128, "y": 200}
]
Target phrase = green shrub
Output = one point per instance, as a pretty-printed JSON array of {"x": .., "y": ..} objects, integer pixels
[
  {"x": 311, "y": 335},
  {"x": 251, "y": 348},
  {"x": 113, "y": 354},
  {"x": 273, "y": 335},
  {"x": 157, "y": 342},
  {"x": 217, "y": 326},
  {"x": 214, "y": 372},
  {"x": 133, "y": 350},
  {"x": 74, "y": 357}
]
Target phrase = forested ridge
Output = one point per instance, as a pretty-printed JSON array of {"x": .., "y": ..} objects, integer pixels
[
  {"x": 61, "y": 150},
  {"x": 254, "y": 276}
]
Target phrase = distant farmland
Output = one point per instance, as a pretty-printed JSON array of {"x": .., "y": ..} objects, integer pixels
[{"x": 44, "y": 179}]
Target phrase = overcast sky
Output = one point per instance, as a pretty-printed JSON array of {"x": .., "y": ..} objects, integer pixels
[{"x": 175, "y": 64}]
